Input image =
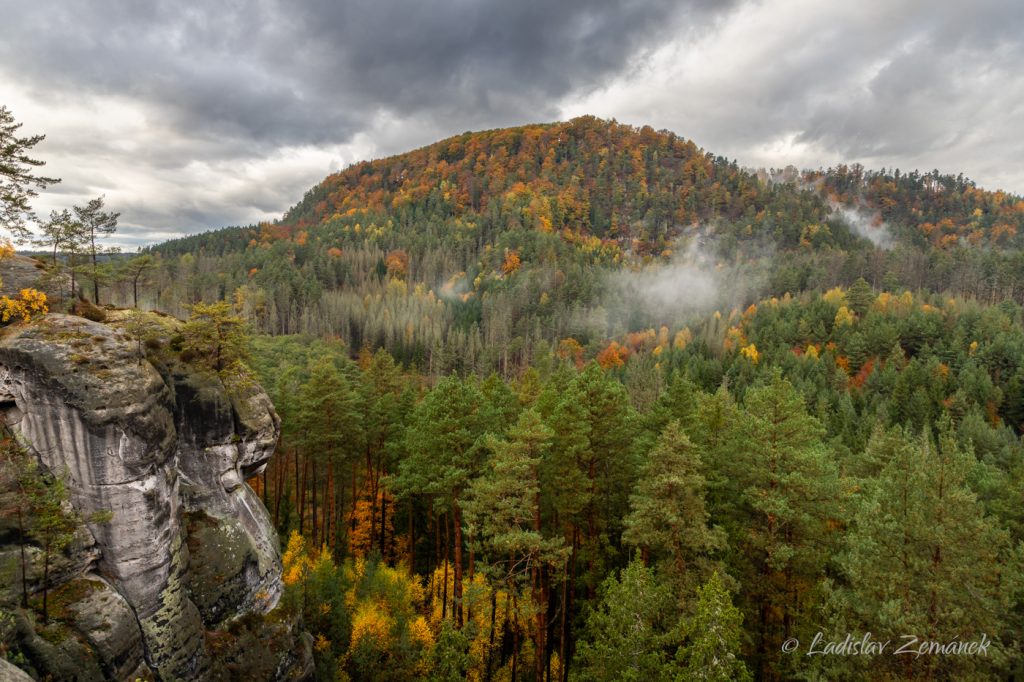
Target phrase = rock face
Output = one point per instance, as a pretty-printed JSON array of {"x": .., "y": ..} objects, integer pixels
[
  {"x": 21, "y": 272},
  {"x": 155, "y": 453}
]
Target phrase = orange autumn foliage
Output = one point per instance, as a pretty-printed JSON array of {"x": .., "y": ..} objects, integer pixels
[
  {"x": 512, "y": 262},
  {"x": 613, "y": 356},
  {"x": 365, "y": 520},
  {"x": 863, "y": 374},
  {"x": 397, "y": 263}
]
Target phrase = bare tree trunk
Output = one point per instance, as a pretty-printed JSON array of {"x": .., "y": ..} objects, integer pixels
[
  {"x": 490, "y": 643},
  {"x": 302, "y": 496},
  {"x": 444, "y": 600},
  {"x": 21, "y": 547},
  {"x": 457, "y": 591},
  {"x": 312, "y": 491}
]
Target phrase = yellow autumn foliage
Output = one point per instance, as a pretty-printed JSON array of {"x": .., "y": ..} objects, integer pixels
[
  {"x": 683, "y": 338},
  {"x": 32, "y": 303},
  {"x": 296, "y": 561},
  {"x": 420, "y": 632},
  {"x": 372, "y": 624},
  {"x": 751, "y": 353},
  {"x": 843, "y": 316},
  {"x": 835, "y": 296}
]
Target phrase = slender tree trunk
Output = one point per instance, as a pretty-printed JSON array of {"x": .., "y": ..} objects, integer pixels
[
  {"x": 457, "y": 591},
  {"x": 21, "y": 547},
  {"x": 444, "y": 599},
  {"x": 328, "y": 503},
  {"x": 562, "y": 633},
  {"x": 412, "y": 541},
  {"x": 566, "y": 642},
  {"x": 472, "y": 557},
  {"x": 95, "y": 276},
  {"x": 313, "y": 518},
  {"x": 515, "y": 636},
  {"x": 295, "y": 487},
  {"x": 490, "y": 642},
  {"x": 302, "y": 496},
  {"x": 538, "y": 599},
  {"x": 371, "y": 477},
  {"x": 278, "y": 469},
  {"x": 355, "y": 494},
  {"x": 339, "y": 507},
  {"x": 383, "y": 525}
]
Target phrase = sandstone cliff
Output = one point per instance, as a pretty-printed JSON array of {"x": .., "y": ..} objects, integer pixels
[{"x": 177, "y": 561}]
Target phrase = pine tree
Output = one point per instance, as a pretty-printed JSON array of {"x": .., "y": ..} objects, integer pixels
[
  {"x": 667, "y": 514},
  {"x": 217, "y": 336},
  {"x": 711, "y": 651},
  {"x": 631, "y": 631},
  {"x": 788, "y": 490},
  {"x": 717, "y": 436},
  {"x": 330, "y": 433},
  {"x": 134, "y": 271},
  {"x": 859, "y": 297},
  {"x": 52, "y": 523},
  {"x": 445, "y": 454},
  {"x": 385, "y": 404},
  {"x": 924, "y": 559},
  {"x": 95, "y": 223},
  {"x": 18, "y": 183},
  {"x": 502, "y": 511}
]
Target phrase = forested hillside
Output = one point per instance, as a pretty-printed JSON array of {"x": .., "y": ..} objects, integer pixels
[
  {"x": 482, "y": 250},
  {"x": 582, "y": 401}
]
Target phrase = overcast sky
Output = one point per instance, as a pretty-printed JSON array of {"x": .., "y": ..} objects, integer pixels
[{"x": 195, "y": 115}]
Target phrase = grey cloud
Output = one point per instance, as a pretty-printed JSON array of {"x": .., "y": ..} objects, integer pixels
[
  {"x": 226, "y": 86},
  {"x": 908, "y": 83},
  {"x": 315, "y": 72},
  {"x": 233, "y": 82}
]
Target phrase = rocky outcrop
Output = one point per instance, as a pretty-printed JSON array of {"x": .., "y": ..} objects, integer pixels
[
  {"x": 154, "y": 452},
  {"x": 22, "y": 272}
]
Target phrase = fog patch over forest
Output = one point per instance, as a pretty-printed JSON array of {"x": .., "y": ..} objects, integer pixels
[
  {"x": 693, "y": 281},
  {"x": 867, "y": 225}
]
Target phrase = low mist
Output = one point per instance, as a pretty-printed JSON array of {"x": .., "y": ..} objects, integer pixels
[
  {"x": 867, "y": 225},
  {"x": 693, "y": 282}
]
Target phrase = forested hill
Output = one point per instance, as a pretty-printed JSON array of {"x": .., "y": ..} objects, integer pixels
[
  {"x": 536, "y": 383},
  {"x": 505, "y": 238}
]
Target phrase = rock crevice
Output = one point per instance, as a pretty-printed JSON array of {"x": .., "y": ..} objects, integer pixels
[{"x": 159, "y": 450}]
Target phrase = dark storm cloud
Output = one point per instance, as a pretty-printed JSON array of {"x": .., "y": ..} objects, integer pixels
[
  {"x": 274, "y": 73},
  {"x": 220, "y": 87},
  {"x": 192, "y": 115}
]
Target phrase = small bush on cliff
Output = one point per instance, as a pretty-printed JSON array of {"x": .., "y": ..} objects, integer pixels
[
  {"x": 215, "y": 337},
  {"x": 86, "y": 309},
  {"x": 29, "y": 305},
  {"x": 41, "y": 510}
]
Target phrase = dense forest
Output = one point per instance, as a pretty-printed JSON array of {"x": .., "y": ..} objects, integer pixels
[
  {"x": 582, "y": 401},
  {"x": 484, "y": 250}
]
